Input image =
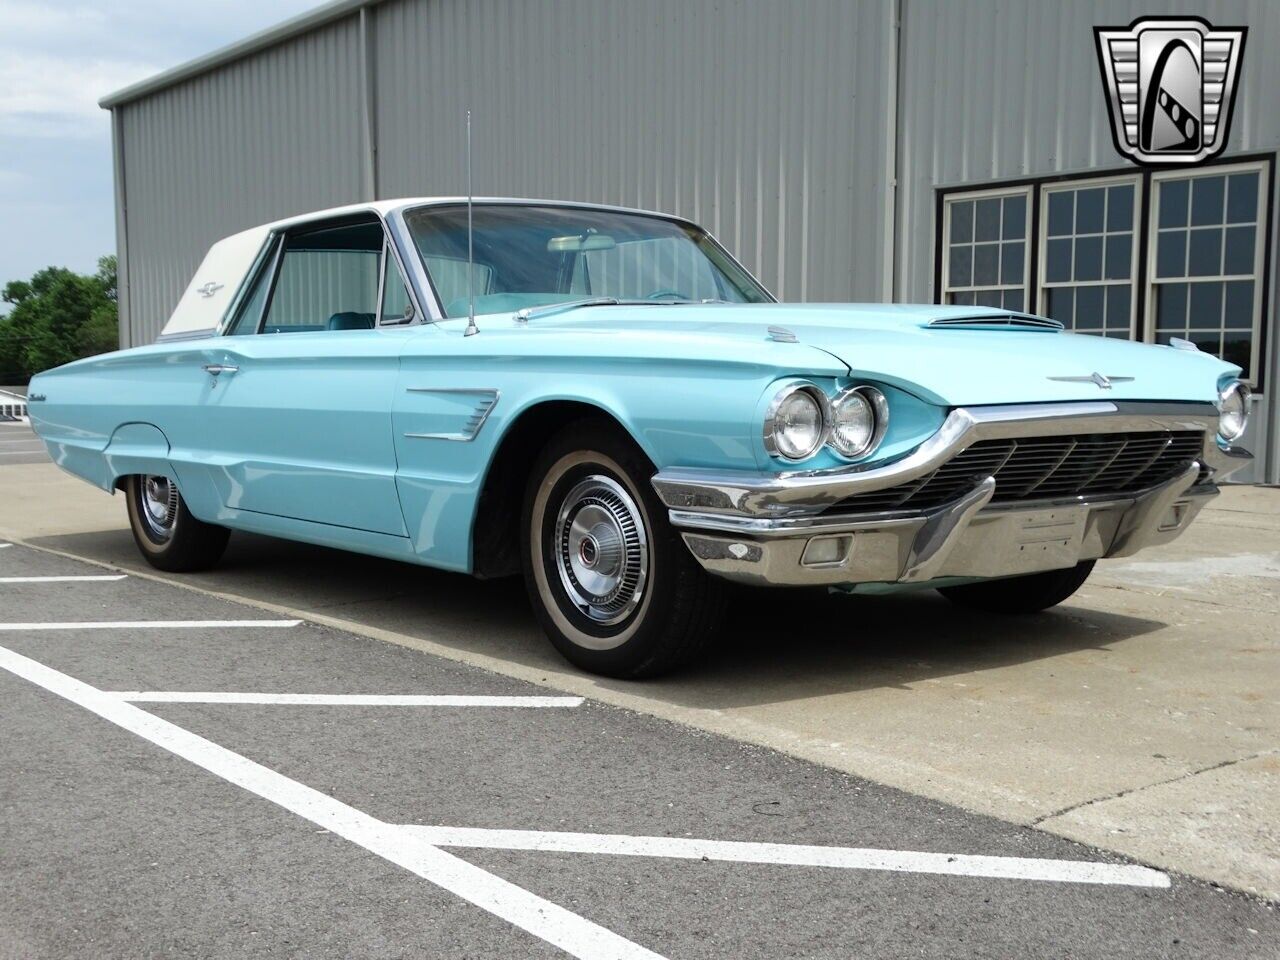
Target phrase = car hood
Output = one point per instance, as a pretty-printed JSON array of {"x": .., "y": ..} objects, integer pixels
[{"x": 953, "y": 366}]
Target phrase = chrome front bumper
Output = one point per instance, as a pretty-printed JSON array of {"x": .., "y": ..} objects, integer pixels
[{"x": 772, "y": 529}]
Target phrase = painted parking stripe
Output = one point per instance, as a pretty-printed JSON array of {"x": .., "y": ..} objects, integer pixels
[
  {"x": 342, "y": 699},
  {"x": 3, "y": 545},
  {"x": 575, "y": 935},
  {"x": 144, "y": 625},
  {"x": 846, "y": 858},
  {"x": 61, "y": 579}
]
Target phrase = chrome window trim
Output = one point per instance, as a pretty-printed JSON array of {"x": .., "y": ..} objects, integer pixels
[
  {"x": 270, "y": 250},
  {"x": 797, "y": 493},
  {"x": 418, "y": 283},
  {"x": 274, "y": 247}
]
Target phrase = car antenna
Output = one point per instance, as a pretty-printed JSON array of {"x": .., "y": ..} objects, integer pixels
[{"x": 471, "y": 275}]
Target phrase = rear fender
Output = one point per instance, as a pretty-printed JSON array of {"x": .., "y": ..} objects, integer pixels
[{"x": 136, "y": 448}]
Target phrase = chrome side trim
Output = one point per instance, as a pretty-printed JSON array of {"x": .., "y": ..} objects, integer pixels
[
  {"x": 488, "y": 399},
  {"x": 755, "y": 493},
  {"x": 937, "y": 538},
  {"x": 1142, "y": 522},
  {"x": 187, "y": 335},
  {"x": 998, "y": 321}
]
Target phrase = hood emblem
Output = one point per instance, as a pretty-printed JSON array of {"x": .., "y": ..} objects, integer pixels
[
  {"x": 209, "y": 289},
  {"x": 1102, "y": 381},
  {"x": 782, "y": 335}
]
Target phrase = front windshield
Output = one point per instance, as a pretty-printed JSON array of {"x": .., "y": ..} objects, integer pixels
[{"x": 531, "y": 256}]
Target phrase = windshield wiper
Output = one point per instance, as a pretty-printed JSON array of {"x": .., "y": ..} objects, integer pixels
[{"x": 551, "y": 309}]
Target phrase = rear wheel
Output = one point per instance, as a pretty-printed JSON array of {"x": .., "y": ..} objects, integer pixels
[
  {"x": 609, "y": 578},
  {"x": 167, "y": 534},
  {"x": 1026, "y": 594}
]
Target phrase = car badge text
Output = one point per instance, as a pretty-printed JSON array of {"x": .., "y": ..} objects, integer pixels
[
  {"x": 208, "y": 289},
  {"x": 1170, "y": 84}
]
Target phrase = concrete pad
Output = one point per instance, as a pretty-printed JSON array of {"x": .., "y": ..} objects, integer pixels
[
  {"x": 1219, "y": 822},
  {"x": 39, "y": 500},
  {"x": 1164, "y": 665}
]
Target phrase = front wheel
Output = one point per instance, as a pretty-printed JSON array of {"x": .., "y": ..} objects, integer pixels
[
  {"x": 168, "y": 536},
  {"x": 609, "y": 578},
  {"x": 1030, "y": 593}
]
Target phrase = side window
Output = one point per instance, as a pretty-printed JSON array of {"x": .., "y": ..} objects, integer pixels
[
  {"x": 396, "y": 305},
  {"x": 328, "y": 280},
  {"x": 250, "y": 314}
]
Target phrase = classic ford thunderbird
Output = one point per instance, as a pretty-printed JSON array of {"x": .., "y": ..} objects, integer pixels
[{"x": 605, "y": 401}]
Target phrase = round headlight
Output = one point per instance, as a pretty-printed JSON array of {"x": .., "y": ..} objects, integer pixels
[
  {"x": 859, "y": 416},
  {"x": 1233, "y": 411},
  {"x": 796, "y": 424}
]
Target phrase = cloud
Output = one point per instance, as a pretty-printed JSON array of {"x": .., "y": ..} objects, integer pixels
[{"x": 50, "y": 95}]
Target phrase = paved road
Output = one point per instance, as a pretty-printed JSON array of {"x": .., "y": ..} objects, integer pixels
[
  {"x": 19, "y": 445},
  {"x": 138, "y": 824}
]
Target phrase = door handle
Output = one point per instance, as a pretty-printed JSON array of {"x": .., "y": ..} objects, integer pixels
[{"x": 216, "y": 368}]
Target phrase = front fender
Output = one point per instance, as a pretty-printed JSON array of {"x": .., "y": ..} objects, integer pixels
[{"x": 680, "y": 412}]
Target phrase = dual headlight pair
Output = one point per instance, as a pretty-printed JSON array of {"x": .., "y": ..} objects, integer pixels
[
  {"x": 1233, "y": 411},
  {"x": 801, "y": 419}
]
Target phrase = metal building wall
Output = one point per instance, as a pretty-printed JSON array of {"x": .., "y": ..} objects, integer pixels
[
  {"x": 765, "y": 122},
  {"x": 995, "y": 91},
  {"x": 265, "y": 137}
]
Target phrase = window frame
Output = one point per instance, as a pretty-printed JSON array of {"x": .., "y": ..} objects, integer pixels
[
  {"x": 271, "y": 259},
  {"x": 1043, "y": 285},
  {"x": 1262, "y": 244},
  {"x": 960, "y": 196},
  {"x": 1266, "y": 161}
]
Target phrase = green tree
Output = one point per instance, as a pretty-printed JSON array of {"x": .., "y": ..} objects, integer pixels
[{"x": 57, "y": 316}]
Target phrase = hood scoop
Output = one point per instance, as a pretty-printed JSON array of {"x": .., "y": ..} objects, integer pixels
[{"x": 997, "y": 321}]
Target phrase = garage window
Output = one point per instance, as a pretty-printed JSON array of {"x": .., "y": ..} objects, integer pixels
[
  {"x": 1088, "y": 235},
  {"x": 1206, "y": 261},
  {"x": 1149, "y": 255},
  {"x": 985, "y": 254}
]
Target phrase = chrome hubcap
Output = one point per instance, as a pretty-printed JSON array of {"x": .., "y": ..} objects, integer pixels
[
  {"x": 159, "y": 505},
  {"x": 602, "y": 550}
]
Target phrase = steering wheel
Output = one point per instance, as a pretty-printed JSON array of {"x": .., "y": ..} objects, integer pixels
[{"x": 666, "y": 294}]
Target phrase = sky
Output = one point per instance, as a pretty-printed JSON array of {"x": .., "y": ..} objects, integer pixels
[{"x": 58, "y": 58}]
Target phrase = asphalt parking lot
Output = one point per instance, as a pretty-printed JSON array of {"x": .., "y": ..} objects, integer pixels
[
  {"x": 166, "y": 793},
  {"x": 311, "y": 753}
]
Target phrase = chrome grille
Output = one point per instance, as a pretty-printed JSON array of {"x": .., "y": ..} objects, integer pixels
[{"x": 1039, "y": 468}]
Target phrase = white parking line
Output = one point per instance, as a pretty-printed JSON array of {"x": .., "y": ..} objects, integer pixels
[
  {"x": 3, "y": 545},
  {"x": 846, "y": 858},
  {"x": 343, "y": 699},
  {"x": 573, "y": 934},
  {"x": 144, "y": 625},
  {"x": 60, "y": 579}
]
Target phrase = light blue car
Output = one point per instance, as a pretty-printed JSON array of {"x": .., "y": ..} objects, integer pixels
[{"x": 605, "y": 401}]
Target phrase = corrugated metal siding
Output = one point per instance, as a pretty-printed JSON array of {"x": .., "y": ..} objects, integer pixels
[
  {"x": 276, "y": 134},
  {"x": 996, "y": 90},
  {"x": 763, "y": 121},
  {"x": 1031, "y": 105}
]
